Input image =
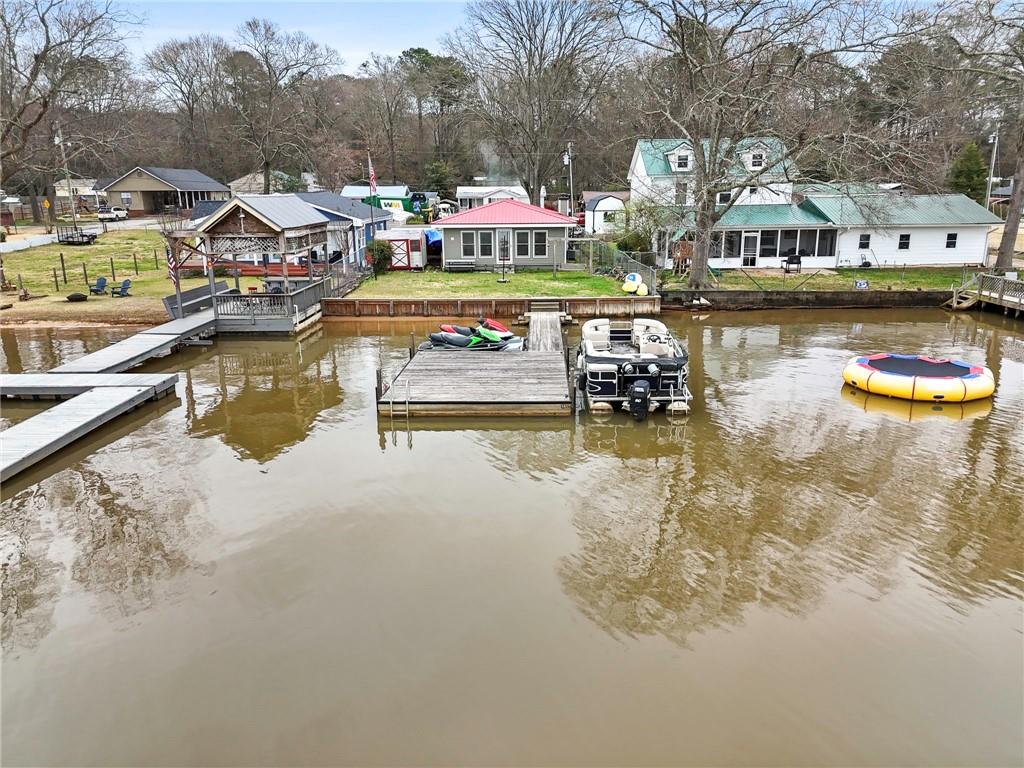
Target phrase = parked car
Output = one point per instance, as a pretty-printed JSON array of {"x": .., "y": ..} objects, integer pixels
[{"x": 115, "y": 213}]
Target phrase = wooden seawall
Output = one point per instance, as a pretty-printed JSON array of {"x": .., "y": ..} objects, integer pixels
[
  {"x": 607, "y": 306},
  {"x": 470, "y": 383}
]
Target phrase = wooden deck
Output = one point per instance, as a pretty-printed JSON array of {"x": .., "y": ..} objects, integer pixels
[
  {"x": 46, "y": 433},
  {"x": 142, "y": 346},
  {"x": 44, "y": 386},
  {"x": 464, "y": 383},
  {"x": 994, "y": 290}
]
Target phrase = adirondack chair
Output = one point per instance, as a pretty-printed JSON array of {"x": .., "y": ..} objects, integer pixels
[
  {"x": 120, "y": 291},
  {"x": 99, "y": 287}
]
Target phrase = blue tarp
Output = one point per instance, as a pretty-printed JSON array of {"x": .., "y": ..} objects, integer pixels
[{"x": 433, "y": 236}]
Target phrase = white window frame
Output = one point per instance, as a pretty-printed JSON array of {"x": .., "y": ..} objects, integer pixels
[
  {"x": 533, "y": 244},
  {"x": 685, "y": 157},
  {"x": 529, "y": 243},
  {"x": 866, "y": 245},
  {"x": 480, "y": 244},
  {"x": 755, "y": 163},
  {"x": 956, "y": 240},
  {"x": 462, "y": 244},
  {"x": 720, "y": 201},
  {"x": 684, "y": 188}
]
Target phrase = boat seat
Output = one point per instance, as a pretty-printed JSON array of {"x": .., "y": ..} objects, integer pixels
[
  {"x": 656, "y": 348},
  {"x": 599, "y": 333}
]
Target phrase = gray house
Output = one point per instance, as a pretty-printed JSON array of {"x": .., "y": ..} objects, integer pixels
[{"x": 510, "y": 231}]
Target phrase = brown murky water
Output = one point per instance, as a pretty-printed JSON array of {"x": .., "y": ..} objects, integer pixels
[{"x": 259, "y": 573}]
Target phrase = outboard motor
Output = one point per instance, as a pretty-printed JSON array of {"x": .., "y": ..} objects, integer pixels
[{"x": 638, "y": 399}]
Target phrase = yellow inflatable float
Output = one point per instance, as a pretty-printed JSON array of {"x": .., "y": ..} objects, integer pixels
[{"x": 915, "y": 377}]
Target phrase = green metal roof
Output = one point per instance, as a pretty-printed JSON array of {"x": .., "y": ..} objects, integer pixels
[
  {"x": 653, "y": 152},
  {"x": 770, "y": 215},
  {"x": 900, "y": 210}
]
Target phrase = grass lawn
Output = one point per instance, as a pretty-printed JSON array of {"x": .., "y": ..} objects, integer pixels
[
  {"x": 434, "y": 284},
  {"x": 909, "y": 279},
  {"x": 35, "y": 265}
]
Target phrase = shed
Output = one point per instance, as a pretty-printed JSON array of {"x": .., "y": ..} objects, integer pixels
[{"x": 603, "y": 212}]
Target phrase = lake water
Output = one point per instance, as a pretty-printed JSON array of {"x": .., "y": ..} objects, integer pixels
[{"x": 259, "y": 572}]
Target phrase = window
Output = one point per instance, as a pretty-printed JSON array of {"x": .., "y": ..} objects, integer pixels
[
  {"x": 486, "y": 244},
  {"x": 752, "y": 190},
  {"x": 682, "y": 162},
  {"x": 468, "y": 245},
  {"x": 904, "y": 243},
  {"x": 522, "y": 245},
  {"x": 757, "y": 160},
  {"x": 540, "y": 245},
  {"x": 951, "y": 240},
  {"x": 724, "y": 197},
  {"x": 682, "y": 189},
  {"x": 826, "y": 243},
  {"x": 769, "y": 242},
  {"x": 864, "y": 243}
]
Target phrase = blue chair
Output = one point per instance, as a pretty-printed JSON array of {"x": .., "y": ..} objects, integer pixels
[
  {"x": 121, "y": 290},
  {"x": 100, "y": 286}
]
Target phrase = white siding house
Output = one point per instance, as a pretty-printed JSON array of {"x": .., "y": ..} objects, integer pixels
[{"x": 473, "y": 197}]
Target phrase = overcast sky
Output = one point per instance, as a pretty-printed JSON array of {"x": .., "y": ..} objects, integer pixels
[{"x": 354, "y": 27}]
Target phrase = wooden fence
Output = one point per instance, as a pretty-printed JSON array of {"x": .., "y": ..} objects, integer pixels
[{"x": 577, "y": 306}]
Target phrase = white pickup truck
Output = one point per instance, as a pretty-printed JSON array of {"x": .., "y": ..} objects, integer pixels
[{"x": 116, "y": 213}]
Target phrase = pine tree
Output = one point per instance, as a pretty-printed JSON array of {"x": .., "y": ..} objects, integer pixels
[{"x": 968, "y": 173}]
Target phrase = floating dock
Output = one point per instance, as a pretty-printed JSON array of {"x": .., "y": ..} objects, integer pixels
[
  {"x": 142, "y": 346},
  {"x": 459, "y": 383},
  {"x": 34, "y": 439},
  {"x": 97, "y": 388}
]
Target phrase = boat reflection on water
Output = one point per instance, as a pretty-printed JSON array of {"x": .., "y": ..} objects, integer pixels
[{"x": 913, "y": 410}]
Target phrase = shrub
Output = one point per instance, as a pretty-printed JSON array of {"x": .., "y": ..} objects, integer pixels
[
  {"x": 415, "y": 220},
  {"x": 633, "y": 241},
  {"x": 379, "y": 253}
]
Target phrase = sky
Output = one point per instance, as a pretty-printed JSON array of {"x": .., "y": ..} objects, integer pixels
[{"x": 354, "y": 28}]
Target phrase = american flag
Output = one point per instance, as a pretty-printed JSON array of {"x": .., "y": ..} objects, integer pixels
[{"x": 373, "y": 175}]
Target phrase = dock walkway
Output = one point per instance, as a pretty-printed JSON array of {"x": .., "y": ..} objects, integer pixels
[
  {"x": 142, "y": 346},
  {"x": 34, "y": 439},
  {"x": 467, "y": 383},
  {"x": 40, "y": 386}
]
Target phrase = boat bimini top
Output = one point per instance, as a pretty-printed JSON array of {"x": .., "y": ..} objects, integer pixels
[{"x": 639, "y": 339}]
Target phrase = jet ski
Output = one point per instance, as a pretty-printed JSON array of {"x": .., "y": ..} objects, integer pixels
[
  {"x": 480, "y": 339},
  {"x": 483, "y": 322}
]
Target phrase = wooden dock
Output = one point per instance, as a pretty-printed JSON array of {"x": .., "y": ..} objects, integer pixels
[
  {"x": 34, "y": 439},
  {"x": 465, "y": 383},
  {"x": 142, "y": 346},
  {"x": 994, "y": 290}
]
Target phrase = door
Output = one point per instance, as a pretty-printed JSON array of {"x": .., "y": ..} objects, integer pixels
[
  {"x": 400, "y": 254},
  {"x": 503, "y": 251},
  {"x": 749, "y": 250}
]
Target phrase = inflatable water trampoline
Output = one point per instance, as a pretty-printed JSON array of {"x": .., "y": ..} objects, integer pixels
[{"x": 916, "y": 377}]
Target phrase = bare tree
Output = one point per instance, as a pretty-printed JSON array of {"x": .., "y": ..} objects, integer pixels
[
  {"x": 189, "y": 76},
  {"x": 719, "y": 72},
  {"x": 537, "y": 67},
  {"x": 268, "y": 86},
  {"x": 991, "y": 34},
  {"x": 50, "y": 49},
  {"x": 385, "y": 104}
]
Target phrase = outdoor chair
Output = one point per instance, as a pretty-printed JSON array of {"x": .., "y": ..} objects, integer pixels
[
  {"x": 121, "y": 291},
  {"x": 791, "y": 263},
  {"x": 99, "y": 287}
]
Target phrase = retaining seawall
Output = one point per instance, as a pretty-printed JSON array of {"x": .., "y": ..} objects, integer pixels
[
  {"x": 576, "y": 306},
  {"x": 738, "y": 300}
]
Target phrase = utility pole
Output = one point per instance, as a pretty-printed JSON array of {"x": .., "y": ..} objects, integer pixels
[
  {"x": 567, "y": 160},
  {"x": 58, "y": 139},
  {"x": 993, "y": 139}
]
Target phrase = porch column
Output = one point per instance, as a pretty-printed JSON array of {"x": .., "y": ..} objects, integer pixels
[{"x": 284, "y": 261}]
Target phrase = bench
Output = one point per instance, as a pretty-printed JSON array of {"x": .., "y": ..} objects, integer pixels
[
  {"x": 460, "y": 265},
  {"x": 74, "y": 236},
  {"x": 193, "y": 300}
]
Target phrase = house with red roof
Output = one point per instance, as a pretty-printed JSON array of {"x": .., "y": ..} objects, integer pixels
[{"x": 510, "y": 231}]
